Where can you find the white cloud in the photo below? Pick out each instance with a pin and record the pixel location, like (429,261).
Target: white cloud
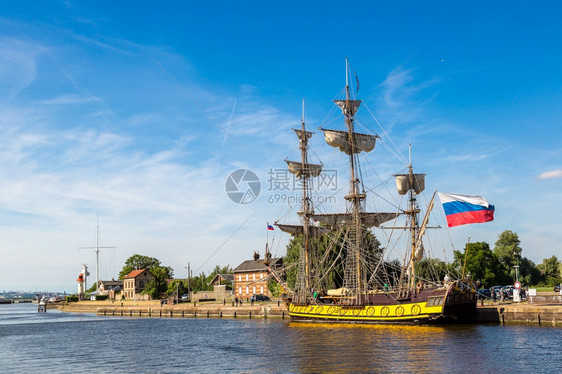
(161,198)
(551,174)
(70,99)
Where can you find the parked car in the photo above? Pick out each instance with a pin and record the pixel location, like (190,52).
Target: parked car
(261,297)
(184,297)
(484,293)
(557,288)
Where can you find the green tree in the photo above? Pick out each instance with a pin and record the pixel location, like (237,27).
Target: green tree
(292,258)
(154,288)
(529,273)
(178,286)
(201,282)
(508,251)
(152,264)
(274,287)
(434,269)
(550,269)
(482,264)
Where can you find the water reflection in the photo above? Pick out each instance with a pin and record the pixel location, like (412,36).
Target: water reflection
(368,348)
(266,346)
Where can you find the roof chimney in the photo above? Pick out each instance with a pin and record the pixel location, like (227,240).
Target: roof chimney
(256,256)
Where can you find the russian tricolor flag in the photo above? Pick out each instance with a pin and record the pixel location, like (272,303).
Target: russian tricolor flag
(464,209)
(269,227)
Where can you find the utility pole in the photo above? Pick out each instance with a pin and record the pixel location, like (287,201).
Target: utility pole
(516,266)
(188,280)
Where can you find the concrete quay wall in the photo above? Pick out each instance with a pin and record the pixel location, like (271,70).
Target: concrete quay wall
(154,310)
(501,313)
(528,314)
(199,311)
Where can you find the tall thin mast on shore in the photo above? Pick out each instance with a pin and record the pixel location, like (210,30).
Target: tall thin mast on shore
(97,250)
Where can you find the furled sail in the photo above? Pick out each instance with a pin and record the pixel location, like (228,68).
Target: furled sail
(346,219)
(348,107)
(306,170)
(300,133)
(403,184)
(340,139)
(295,230)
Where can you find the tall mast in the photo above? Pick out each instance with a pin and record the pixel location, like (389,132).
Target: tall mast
(413,212)
(305,202)
(355,197)
(303,171)
(413,184)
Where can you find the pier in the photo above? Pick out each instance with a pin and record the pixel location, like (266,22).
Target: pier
(153,309)
(510,314)
(543,309)
(506,313)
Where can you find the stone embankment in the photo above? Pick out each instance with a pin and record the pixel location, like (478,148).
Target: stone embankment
(508,314)
(184,310)
(543,310)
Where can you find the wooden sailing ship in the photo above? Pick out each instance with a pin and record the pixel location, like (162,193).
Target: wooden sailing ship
(368,293)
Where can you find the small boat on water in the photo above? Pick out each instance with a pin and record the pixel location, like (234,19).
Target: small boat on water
(342,274)
(3,300)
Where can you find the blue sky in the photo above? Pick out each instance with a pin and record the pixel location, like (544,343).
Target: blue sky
(139,112)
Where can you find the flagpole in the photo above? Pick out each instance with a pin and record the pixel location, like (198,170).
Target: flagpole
(465,256)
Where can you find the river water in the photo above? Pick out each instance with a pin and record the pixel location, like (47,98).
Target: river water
(56,342)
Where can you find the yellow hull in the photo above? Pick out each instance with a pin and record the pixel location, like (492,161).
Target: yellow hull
(406,312)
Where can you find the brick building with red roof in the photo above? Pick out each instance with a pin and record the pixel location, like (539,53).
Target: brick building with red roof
(135,282)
